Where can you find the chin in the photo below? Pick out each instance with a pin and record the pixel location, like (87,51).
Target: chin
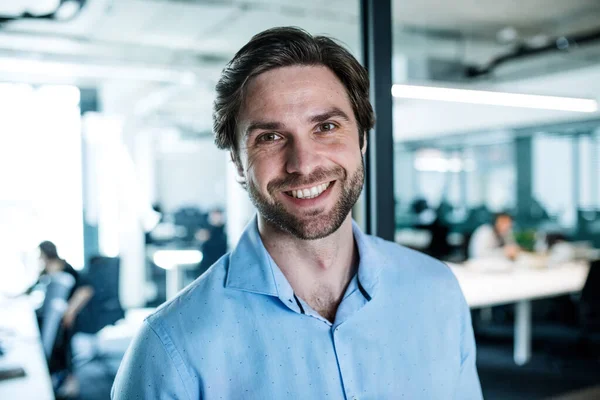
(312,227)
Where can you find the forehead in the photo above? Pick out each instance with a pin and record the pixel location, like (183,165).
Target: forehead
(293,91)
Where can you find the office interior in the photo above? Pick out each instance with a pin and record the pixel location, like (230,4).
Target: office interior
(106,150)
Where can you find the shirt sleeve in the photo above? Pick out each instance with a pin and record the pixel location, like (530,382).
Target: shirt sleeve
(468,387)
(149,371)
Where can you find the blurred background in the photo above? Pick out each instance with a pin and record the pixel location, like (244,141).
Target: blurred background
(106,151)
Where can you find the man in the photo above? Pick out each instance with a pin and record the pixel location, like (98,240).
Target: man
(494,241)
(306,306)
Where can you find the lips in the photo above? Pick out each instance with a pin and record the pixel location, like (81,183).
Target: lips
(310,192)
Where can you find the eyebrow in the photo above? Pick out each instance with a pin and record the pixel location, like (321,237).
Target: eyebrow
(333,112)
(315,119)
(267,126)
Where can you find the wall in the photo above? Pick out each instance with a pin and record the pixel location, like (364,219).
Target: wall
(190,173)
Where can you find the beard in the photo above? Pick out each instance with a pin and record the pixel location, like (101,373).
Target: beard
(315,223)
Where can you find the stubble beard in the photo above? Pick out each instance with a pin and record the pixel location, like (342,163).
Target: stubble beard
(316,223)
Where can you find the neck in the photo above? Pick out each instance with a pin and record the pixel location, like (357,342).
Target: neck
(318,270)
(54,265)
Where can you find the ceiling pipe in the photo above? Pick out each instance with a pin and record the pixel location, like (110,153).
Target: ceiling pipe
(74,7)
(561,43)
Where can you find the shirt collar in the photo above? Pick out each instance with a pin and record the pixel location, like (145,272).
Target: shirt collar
(252,269)
(371,261)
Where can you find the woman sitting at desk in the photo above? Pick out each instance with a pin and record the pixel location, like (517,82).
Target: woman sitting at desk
(494,241)
(78,298)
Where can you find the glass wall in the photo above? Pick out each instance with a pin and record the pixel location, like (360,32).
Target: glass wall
(469,144)
(495,109)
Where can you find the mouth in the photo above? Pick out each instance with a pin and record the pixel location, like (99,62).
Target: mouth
(309,192)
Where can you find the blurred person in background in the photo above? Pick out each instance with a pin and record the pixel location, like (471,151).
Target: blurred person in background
(81,292)
(80,295)
(433,222)
(495,241)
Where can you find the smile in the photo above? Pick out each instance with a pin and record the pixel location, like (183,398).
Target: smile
(309,193)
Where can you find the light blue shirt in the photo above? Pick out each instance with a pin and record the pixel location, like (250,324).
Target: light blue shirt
(402,331)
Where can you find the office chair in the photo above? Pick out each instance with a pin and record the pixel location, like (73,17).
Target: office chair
(192,219)
(104,308)
(54,306)
(590,302)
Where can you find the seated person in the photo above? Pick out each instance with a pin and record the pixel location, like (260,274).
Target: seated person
(495,240)
(78,298)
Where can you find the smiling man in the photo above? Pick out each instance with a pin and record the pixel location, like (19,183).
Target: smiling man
(306,306)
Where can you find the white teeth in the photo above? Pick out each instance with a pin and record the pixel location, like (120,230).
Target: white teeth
(310,193)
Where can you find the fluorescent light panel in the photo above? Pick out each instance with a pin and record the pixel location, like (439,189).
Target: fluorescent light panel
(494,98)
(73,70)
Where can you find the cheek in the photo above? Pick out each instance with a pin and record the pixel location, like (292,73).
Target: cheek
(346,155)
(262,168)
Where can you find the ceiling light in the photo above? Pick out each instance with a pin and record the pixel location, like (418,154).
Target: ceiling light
(494,98)
(65,70)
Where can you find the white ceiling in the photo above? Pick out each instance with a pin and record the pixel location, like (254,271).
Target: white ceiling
(162,57)
(488,16)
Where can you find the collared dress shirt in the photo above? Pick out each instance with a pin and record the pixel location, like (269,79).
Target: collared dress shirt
(402,331)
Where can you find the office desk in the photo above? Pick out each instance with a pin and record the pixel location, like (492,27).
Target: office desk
(519,286)
(174,261)
(23,347)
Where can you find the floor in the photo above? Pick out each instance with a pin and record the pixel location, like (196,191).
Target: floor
(560,364)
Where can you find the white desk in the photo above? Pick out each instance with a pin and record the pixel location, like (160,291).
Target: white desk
(519,286)
(23,347)
(174,261)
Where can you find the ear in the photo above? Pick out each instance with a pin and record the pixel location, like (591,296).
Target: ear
(235,160)
(238,166)
(363,150)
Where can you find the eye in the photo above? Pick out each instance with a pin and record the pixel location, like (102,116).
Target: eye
(268,137)
(327,126)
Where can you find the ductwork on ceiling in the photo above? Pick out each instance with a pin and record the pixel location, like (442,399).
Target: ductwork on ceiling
(436,63)
(521,51)
(60,10)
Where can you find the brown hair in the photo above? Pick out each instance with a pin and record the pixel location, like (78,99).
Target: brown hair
(284,47)
(49,250)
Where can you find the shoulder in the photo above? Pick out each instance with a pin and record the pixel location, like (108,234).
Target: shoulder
(196,302)
(68,268)
(484,230)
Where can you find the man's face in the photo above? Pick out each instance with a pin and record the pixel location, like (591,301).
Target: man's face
(299,150)
(504,225)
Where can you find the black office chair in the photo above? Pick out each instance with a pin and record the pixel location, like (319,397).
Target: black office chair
(104,308)
(55,303)
(590,302)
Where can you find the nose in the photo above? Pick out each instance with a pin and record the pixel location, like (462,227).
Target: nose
(302,156)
